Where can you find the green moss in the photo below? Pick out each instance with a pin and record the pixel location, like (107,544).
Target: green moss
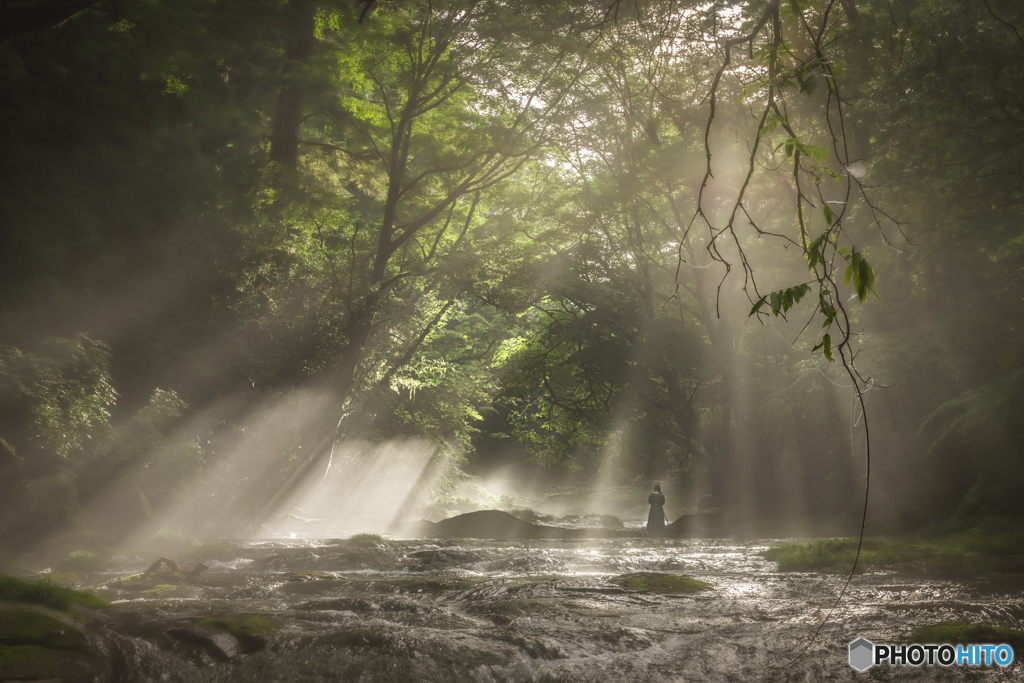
(248,624)
(659,583)
(89,600)
(966,634)
(27,662)
(365,541)
(44,592)
(26,626)
(160,590)
(837,555)
(938,550)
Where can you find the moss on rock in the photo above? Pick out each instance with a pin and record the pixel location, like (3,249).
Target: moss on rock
(837,555)
(27,662)
(365,541)
(27,626)
(659,583)
(47,593)
(248,624)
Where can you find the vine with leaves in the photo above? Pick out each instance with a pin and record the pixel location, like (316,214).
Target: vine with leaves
(831,255)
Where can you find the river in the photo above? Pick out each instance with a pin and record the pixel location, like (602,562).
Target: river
(503,611)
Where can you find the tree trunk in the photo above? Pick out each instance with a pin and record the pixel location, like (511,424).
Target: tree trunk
(291,102)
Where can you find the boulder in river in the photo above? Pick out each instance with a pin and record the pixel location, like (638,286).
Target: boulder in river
(226,636)
(698,525)
(39,643)
(495,524)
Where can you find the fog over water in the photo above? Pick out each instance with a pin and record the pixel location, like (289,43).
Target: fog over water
(348,340)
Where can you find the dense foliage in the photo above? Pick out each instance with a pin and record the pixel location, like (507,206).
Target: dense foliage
(637,242)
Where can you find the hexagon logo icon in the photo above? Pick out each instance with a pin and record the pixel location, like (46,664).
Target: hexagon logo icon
(862,654)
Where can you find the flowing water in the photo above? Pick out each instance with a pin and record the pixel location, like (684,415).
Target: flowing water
(495,611)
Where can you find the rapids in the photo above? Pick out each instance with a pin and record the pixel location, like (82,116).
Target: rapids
(496,611)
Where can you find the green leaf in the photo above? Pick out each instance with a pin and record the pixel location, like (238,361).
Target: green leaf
(826,308)
(799,291)
(758,305)
(815,251)
(865,278)
(826,345)
(827,210)
(847,275)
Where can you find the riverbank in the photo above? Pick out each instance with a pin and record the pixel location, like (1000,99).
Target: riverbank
(991,546)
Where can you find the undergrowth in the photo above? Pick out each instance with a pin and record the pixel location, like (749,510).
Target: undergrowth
(44,592)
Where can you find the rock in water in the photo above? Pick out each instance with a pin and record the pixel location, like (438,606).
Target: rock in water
(498,525)
(699,525)
(490,524)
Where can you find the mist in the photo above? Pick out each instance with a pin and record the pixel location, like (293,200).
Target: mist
(324,291)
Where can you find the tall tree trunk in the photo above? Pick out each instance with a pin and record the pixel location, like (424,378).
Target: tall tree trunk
(291,102)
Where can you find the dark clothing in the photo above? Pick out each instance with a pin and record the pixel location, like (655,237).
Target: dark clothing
(656,517)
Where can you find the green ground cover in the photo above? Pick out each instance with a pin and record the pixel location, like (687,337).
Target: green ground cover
(365,541)
(980,549)
(659,583)
(46,593)
(958,633)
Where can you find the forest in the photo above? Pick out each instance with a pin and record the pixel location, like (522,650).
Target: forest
(270,262)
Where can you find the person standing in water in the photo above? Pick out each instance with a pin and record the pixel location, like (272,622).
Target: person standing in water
(656,517)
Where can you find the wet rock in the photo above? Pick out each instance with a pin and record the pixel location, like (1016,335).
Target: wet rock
(37,643)
(341,558)
(495,524)
(540,648)
(699,525)
(222,647)
(226,636)
(453,649)
(442,558)
(32,625)
(627,638)
(34,663)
